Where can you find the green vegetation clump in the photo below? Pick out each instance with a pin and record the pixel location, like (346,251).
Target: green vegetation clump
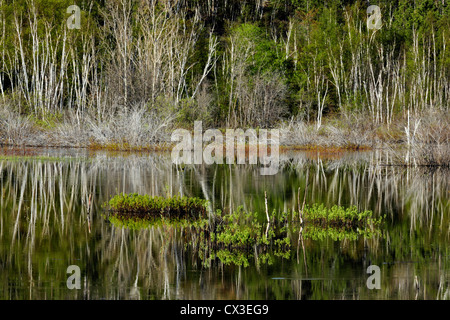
(337,234)
(240,229)
(135,206)
(236,237)
(339,217)
(231,238)
(141,222)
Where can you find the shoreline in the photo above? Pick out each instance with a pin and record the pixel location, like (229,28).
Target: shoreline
(312,152)
(427,144)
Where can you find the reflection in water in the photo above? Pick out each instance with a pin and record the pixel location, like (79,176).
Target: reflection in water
(45,226)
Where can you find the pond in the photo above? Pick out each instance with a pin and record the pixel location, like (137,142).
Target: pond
(52,217)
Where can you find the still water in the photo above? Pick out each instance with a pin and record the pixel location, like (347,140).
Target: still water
(45,227)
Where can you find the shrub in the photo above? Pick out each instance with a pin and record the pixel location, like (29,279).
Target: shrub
(339,216)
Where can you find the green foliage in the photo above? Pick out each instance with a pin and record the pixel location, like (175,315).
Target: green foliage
(295,41)
(264,57)
(237,258)
(337,234)
(339,216)
(138,223)
(235,237)
(47,120)
(240,229)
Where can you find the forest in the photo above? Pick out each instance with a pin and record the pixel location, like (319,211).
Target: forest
(136,69)
(97,202)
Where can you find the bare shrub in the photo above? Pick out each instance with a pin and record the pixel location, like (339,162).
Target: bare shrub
(350,131)
(353,133)
(426,140)
(152,51)
(14,128)
(134,126)
(298,133)
(204,103)
(429,141)
(262,101)
(71,132)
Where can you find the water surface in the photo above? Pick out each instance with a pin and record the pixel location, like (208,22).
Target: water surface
(45,227)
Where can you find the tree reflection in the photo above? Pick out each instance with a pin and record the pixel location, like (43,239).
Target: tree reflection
(45,226)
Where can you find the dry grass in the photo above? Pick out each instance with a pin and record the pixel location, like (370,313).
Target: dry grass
(420,140)
(334,134)
(133,129)
(423,140)
(14,128)
(426,141)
